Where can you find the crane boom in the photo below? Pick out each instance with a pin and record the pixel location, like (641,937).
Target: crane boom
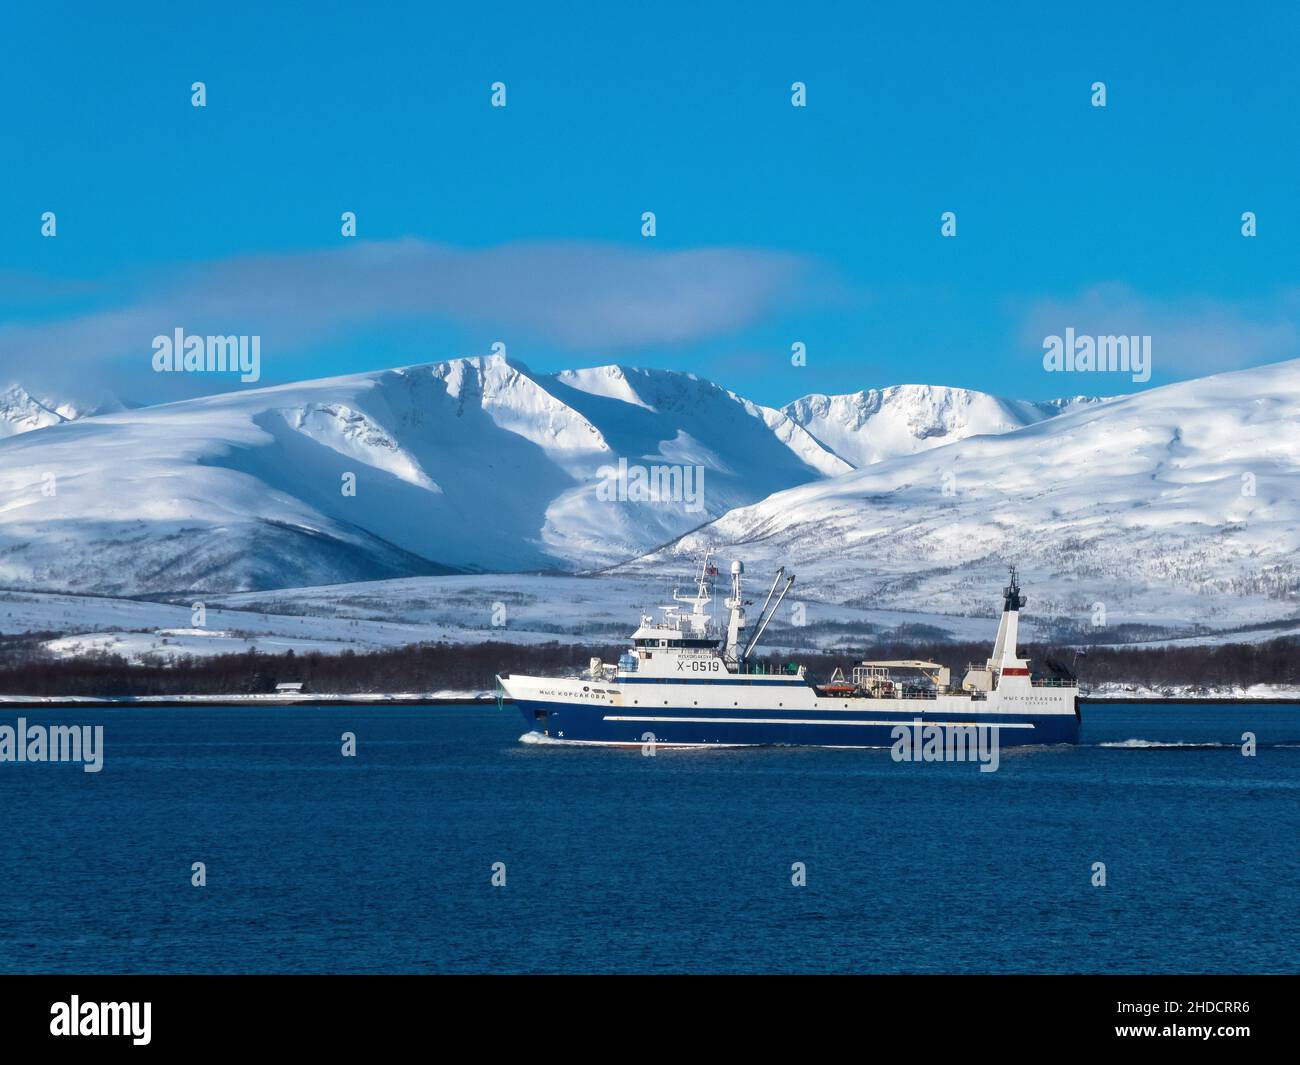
(772,613)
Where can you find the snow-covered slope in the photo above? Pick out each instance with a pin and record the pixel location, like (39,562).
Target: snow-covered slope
(877,424)
(1175,504)
(468,464)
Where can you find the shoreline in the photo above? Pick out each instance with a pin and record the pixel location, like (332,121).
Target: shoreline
(39,702)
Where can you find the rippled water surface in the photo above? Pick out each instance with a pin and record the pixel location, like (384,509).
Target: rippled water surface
(619,862)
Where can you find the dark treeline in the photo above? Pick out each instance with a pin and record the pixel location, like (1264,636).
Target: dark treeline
(416,668)
(27,670)
(1273,662)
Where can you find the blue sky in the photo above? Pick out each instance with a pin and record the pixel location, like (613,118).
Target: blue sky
(775,224)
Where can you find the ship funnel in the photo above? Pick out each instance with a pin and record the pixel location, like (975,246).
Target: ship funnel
(1006,658)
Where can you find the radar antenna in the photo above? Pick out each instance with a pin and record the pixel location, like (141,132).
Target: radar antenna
(1013,600)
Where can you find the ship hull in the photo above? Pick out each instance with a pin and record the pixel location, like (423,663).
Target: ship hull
(860,725)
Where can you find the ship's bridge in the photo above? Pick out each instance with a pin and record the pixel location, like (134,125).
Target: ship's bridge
(654,637)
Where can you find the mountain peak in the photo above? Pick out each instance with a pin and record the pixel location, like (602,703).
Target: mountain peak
(871,425)
(22,412)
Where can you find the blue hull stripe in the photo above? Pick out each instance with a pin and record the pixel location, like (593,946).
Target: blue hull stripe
(827,722)
(857,727)
(767,680)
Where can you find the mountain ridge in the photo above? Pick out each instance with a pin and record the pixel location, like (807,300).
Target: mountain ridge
(464,464)
(872,425)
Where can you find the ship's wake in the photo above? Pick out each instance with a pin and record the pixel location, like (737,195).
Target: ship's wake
(554,741)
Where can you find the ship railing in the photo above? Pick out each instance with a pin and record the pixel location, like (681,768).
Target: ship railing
(1055,682)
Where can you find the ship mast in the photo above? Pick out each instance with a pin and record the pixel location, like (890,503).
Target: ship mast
(735,604)
(699,619)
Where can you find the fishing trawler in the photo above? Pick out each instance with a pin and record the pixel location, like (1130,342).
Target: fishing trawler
(686,681)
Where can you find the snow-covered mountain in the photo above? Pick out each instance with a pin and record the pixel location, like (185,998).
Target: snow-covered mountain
(1177,507)
(469,464)
(21,411)
(877,424)
(1174,505)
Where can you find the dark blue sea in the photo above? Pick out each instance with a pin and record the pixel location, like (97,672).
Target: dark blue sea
(617,862)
